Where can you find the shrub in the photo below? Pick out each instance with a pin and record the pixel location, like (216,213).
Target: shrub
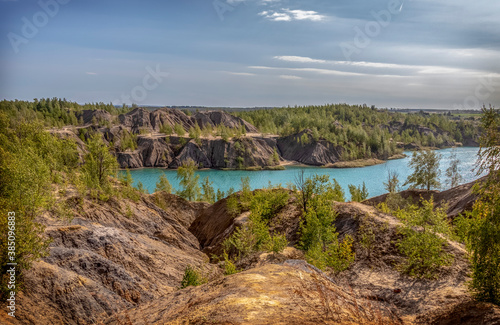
(192,277)
(229,267)
(359,193)
(421,244)
(163,185)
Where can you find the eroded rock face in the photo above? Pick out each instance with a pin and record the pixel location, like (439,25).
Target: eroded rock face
(112,256)
(214,118)
(170,117)
(136,120)
(90,116)
(271,294)
(303,148)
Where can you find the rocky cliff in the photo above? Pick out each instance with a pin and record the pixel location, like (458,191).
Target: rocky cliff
(302,147)
(122,262)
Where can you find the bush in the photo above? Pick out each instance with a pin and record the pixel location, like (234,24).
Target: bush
(359,193)
(267,203)
(421,244)
(163,185)
(318,235)
(229,267)
(192,277)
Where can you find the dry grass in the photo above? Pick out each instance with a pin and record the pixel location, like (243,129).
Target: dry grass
(333,305)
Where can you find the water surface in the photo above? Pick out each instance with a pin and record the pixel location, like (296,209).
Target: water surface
(373,176)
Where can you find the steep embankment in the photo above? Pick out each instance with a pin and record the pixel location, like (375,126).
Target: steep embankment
(111,256)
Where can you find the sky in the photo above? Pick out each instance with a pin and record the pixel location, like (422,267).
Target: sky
(418,54)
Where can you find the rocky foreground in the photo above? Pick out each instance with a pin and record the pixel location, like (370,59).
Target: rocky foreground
(122,262)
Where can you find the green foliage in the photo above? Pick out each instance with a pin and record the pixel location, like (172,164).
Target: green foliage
(359,193)
(127,190)
(233,206)
(358,130)
(338,255)
(188,181)
(452,172)
(305,188)
(421,244)
(128,141)
(318,235)
(192,277)
(425,166)
(229,267)
(98,165)
(267,203)
(141,189)
(483,235)
(30,158)
(167,129)
(163,185)
(254,236)
(179,130)
(208,191)
(392,185)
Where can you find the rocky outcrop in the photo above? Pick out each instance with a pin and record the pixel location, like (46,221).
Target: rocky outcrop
(303,148)
(136,120)
(291,293)
(170,117)
(163,151)
(111,256)
(457,200)
(214,118)
(94,116)
(150,152)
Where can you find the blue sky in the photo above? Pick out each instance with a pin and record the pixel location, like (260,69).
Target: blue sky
(388,53)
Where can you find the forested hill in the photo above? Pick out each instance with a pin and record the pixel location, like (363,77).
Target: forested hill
(312,135)
(365,127)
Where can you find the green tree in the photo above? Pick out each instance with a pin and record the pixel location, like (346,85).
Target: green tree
(208,191)
(30,157)
(483,235)
(189,181)
(163,185)
(179,130)
(423,246)
(425,166)
(452,172)
(392,185)
(98,165)
(359,193)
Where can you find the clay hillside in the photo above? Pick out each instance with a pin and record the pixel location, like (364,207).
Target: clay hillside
(168,137)
(124,261)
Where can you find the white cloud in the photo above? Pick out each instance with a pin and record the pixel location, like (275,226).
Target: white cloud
(289,15)
(91,73)
(240,73)
(301,59)
(290,77)
(418,69)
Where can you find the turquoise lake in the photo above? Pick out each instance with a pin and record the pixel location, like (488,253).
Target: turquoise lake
(373,176)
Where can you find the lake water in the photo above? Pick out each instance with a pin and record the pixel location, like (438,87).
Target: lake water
(373,176)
